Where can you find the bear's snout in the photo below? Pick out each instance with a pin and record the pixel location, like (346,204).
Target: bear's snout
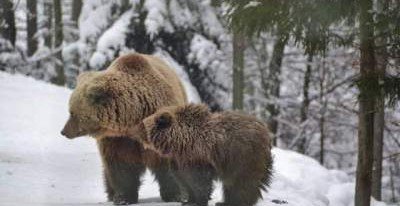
(72,129)
(66,134)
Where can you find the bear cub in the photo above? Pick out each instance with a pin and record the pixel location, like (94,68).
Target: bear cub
(231,146)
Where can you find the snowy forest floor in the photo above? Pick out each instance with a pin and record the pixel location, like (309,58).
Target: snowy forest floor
(40,167)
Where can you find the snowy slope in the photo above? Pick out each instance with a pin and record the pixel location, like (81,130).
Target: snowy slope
(40,167)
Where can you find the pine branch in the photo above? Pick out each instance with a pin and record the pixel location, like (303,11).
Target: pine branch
(392,156)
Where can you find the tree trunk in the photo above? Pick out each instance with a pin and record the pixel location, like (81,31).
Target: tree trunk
(306,102)
(76,11)
(271,83)
(392,187)
(31,16)
(379,119)
(379,124)
(48,22)
(323,102)
(322,133)
(8,30)
(367,105)
(59,79)
(238,66)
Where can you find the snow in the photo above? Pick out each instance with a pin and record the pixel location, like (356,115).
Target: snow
(93,20)
(192,94)
(209,18)
(206,54)
(97,60)
(114,37)
(203,51)
(40,167)
(181,15)
(111,40)
(252,4)
(156,17)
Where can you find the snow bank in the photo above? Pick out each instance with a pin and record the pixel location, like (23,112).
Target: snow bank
(40,167)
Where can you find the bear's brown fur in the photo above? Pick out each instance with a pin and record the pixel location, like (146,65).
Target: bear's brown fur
(106,103)
(233,146)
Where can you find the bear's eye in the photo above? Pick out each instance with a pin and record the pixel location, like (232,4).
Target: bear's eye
(100,96)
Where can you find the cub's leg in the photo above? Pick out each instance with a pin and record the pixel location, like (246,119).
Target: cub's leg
(241,193)
(123,167)
(198,182)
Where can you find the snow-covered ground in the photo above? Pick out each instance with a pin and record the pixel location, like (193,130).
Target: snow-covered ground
(40,167)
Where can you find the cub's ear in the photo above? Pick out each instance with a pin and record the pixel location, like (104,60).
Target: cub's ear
(99,95)
(163,121)
(196,111)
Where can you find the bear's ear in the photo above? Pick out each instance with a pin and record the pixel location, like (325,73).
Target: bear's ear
(99,95)
(85,76)
(163,121)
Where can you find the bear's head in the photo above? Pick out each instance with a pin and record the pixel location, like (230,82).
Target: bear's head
(97,106)
(172,131)
(85,102)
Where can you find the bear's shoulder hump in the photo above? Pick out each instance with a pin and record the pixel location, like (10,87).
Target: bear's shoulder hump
(131,63)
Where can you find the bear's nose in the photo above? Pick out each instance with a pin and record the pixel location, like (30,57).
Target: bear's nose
(63,133)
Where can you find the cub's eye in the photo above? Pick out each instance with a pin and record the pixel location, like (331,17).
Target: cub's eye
(163,121)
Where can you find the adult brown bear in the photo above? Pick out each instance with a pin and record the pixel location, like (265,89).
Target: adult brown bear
(106,103)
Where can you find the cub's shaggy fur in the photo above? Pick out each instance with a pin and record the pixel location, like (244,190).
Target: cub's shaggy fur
(106,103)
(231,146)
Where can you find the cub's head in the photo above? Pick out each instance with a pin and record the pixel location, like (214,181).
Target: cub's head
(173,130)
(92,106)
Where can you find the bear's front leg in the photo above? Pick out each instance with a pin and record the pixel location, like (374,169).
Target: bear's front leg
(109,190)
(170,190)
(123,167)
(125,182)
